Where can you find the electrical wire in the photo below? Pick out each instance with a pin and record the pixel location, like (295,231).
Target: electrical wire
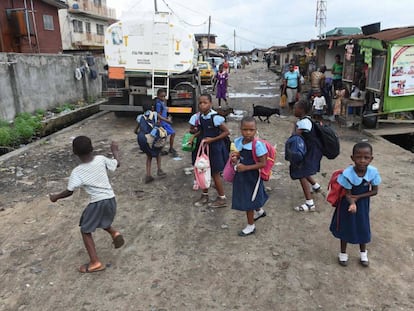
(182,20)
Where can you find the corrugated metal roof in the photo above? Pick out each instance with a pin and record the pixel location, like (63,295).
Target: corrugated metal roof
(384,35)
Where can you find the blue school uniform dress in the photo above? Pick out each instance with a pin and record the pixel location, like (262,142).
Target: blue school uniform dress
(162,109)
(311,163)
(145,128)
(210,127)
(244,183)
(354,228)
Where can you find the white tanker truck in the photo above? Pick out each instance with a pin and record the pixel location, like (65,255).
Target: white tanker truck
(148,52)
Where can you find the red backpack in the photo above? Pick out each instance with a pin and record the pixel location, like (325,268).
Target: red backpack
(266,171)
(335,191)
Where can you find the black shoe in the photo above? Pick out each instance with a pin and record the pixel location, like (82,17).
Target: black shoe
(173,152)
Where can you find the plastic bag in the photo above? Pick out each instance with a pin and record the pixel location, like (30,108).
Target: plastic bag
(185,145)
(229,172)
(283,101)
(202,170)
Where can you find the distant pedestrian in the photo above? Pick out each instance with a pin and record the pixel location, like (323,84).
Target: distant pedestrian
(226,66)
(291,84)
(249,193)
(92,176)
(350,221)
(221,80)
(211,129)
(268,61)
(162,111)
(312,160)
(145,124)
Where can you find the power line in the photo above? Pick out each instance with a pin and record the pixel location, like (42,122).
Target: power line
(182,20)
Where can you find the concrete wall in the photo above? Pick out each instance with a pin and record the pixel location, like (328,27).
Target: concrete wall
(44,81)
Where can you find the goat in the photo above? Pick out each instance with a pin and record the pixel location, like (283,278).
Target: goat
(262,111)
(224,112)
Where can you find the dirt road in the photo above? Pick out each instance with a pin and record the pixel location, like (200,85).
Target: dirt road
(179,257)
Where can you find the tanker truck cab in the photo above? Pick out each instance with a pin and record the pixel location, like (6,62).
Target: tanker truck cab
(154,51)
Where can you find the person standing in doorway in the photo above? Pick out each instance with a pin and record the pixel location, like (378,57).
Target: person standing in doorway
(337,69)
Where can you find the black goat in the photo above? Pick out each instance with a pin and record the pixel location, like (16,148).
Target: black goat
(262,111)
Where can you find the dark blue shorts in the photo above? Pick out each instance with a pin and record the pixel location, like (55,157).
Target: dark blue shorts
(99,214)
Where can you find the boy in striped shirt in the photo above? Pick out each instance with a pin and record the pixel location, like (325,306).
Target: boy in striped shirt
(92,176)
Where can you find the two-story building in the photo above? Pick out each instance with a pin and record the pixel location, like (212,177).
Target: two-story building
(83,24)
(30,26)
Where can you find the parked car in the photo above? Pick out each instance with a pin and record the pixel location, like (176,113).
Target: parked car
(255,58)
(206,72)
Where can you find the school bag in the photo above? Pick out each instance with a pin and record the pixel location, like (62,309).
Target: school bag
(335,191)
(295,149)
(328,139)
(157,137)
(202,170)
(266,171)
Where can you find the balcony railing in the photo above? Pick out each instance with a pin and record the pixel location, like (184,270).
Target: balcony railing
(87,39)
(89,6)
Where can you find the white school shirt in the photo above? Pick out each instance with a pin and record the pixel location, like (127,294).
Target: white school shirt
(319,103)
(93,177)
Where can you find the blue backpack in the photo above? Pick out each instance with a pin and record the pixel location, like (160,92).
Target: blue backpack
(295,149)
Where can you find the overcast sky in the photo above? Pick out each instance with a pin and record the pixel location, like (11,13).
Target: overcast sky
(263,23)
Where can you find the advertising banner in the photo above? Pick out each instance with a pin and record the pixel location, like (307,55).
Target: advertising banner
(401,81)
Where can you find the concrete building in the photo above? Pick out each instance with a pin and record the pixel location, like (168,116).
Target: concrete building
(83,24)
(203,41)
(30,26)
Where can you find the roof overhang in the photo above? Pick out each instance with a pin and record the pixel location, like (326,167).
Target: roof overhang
(56,3)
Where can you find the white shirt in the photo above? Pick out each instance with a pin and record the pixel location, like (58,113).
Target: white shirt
(93,178)
(319,103)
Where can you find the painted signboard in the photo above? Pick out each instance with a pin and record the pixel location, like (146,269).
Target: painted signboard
(401,81)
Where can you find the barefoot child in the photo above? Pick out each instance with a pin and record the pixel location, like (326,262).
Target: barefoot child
(92,176)
(312,160)
(211,129)
(350,221)
(248,190)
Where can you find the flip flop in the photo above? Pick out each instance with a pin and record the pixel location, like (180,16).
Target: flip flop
(118,241)
(85,268)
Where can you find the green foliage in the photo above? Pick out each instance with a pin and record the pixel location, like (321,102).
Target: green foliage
(6,136)
(64,107)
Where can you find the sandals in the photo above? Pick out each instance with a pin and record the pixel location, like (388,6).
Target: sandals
(118,241)
(85,268)
(305,208)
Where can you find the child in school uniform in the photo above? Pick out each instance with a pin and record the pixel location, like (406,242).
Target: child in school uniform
(162,111)
(145,124)
(211,129)
(312,159)
(92,176)
(350,221)
(249,193)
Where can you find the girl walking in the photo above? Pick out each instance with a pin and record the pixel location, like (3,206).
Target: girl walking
(221,84)
(209,127)
(312,161)
(249,194)
(350,221)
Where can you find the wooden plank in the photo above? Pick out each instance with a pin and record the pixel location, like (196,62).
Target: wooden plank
(396,121)
(395,130)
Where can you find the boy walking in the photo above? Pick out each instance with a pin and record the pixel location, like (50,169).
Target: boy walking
(92,176)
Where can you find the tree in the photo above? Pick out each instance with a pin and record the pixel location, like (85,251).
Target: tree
(224,46)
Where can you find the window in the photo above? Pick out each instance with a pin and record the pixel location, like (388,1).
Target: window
(97,2)
(100,29)
(77,26)
(48,22)
(88,27)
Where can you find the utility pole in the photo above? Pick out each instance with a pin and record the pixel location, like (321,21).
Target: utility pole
(208,36)
(155,6)
(234,41)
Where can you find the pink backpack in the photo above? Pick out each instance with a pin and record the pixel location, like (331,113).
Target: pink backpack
(266,171)
(202,170)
